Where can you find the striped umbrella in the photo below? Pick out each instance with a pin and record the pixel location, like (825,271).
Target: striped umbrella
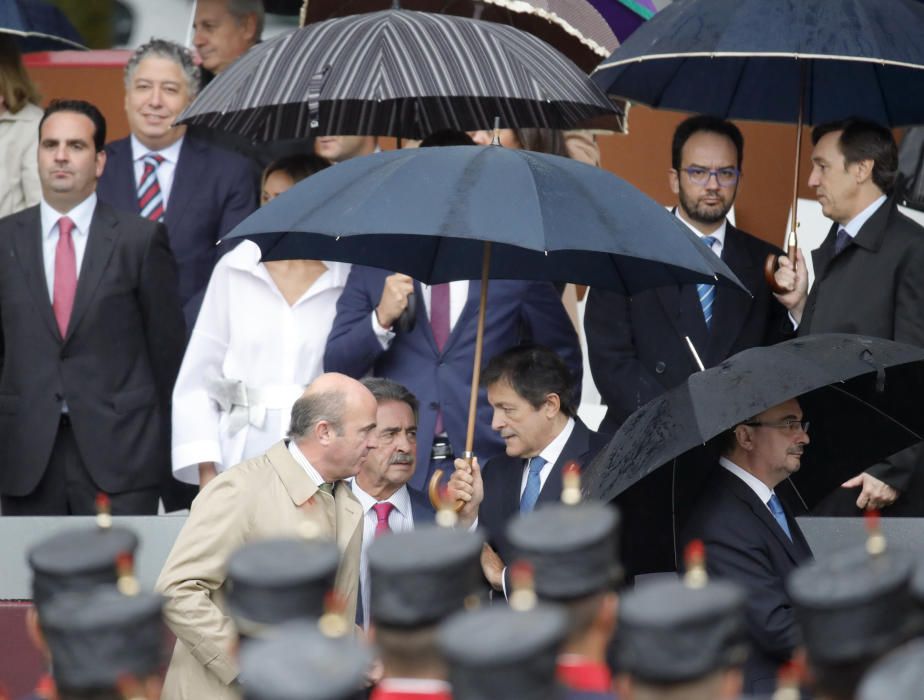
(399,73)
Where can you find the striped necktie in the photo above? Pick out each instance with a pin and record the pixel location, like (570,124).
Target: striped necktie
(150,198)
(706,292)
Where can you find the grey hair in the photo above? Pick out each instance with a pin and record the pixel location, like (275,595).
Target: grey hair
(308,411)
(239,9)
(171,51)
(387,390)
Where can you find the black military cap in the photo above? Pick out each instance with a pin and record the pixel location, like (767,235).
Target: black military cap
(280,580)
(573,549)
(898,676)
(300,663)
(77,560)
(853,605)
(671,632)
(503,653)
(420,577)
(97,636)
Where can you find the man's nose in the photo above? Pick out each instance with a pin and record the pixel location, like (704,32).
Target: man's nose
(813,180)
(496,421)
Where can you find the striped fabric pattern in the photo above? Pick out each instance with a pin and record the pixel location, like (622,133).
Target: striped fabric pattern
(150,198)
(399,73)
(706,292)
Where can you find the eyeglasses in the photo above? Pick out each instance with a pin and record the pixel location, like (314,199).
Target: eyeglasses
(790,426)
(726,177)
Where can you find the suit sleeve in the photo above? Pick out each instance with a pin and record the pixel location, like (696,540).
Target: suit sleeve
(165,329)
(195,570)
(352,347)
(623,381)
(550,325)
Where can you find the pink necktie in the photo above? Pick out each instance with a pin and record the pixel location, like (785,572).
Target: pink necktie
(382,511)
(65,286)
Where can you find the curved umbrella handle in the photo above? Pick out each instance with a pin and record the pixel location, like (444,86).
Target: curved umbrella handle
(433,491)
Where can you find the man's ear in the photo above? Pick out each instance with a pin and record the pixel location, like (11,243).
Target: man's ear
(863,170)
(744,437)
(673,179)
(249,24)
(324,432)
(552,405)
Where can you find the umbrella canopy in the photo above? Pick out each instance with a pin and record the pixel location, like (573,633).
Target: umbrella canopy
(399,73)
(426,212)
(584,30)
(38,25)
(735,59)
(860,394)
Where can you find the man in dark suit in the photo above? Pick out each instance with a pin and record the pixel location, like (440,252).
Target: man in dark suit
(869,278)
(91,341)
(199,191)
(532,394)
(636,343)
(435,358)
(389,505)
(750,537)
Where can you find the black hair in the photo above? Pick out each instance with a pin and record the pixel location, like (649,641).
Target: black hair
(704,122)
(534,371)
(80,107)
(862,139)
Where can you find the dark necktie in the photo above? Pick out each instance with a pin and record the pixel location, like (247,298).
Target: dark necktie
(533,485)
(150,199)
(65,283)
(706,292)
(843,240)
(439,324)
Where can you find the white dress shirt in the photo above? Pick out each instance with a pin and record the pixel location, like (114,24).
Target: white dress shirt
(247,333)
(458,295)
(401,519)
(165,171)
(303,462)
(550,454)
(718,234)
(763,491)
(81,215)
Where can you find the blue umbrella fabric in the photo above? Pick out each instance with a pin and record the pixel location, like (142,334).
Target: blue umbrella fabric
(427,213)
(751,59)
(38,25)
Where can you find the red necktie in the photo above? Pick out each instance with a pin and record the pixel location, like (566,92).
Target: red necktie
(65,286)
(150,199)
(382,511)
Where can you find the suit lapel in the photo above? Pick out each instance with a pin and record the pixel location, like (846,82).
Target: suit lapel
(681,304)
(28,247)
(191,169)
(100,244)
(822,256)
(349,514)
(469,314)
(422,320)
(125,185)
(731,306)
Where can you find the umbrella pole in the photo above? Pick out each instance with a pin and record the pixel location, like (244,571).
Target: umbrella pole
(433,489)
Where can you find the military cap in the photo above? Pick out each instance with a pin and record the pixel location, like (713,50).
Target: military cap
(77,560)
(853,605)
(897,676)
(503,653)
(97,636)
(671,632)
(418,578)
(300,663)
(279,580)
(573,549)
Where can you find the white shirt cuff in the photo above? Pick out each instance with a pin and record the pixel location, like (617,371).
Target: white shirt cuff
(792,320)
(384,335)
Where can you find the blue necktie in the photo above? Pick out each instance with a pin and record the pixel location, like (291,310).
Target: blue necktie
(842,241)
(533,485)
(707,291)
(777,509)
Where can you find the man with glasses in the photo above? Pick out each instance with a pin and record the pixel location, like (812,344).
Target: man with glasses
(751,539)
(636,344)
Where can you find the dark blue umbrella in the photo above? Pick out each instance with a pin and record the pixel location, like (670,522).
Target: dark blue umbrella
(38,25)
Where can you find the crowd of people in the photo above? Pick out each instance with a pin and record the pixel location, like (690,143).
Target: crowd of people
(299,409)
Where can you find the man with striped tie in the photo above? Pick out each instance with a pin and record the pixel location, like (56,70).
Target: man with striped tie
(636,345)
(91,341)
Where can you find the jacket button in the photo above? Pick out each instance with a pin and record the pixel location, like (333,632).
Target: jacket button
(660,367)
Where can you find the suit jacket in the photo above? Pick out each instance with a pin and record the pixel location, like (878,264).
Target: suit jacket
(746,545)
(636,343)
(116,366)
(212,192)
(875,287)
(515,311)
(503,475)
(421,508)
(264,497)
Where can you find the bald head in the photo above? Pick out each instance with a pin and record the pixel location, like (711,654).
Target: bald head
(333,425)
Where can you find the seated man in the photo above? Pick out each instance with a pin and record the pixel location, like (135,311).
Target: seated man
(750,538)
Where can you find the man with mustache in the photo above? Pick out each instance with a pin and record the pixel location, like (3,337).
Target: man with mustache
(750,538)
(389,504)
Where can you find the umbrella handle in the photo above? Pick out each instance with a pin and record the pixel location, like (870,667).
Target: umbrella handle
(772,263)
(433,491)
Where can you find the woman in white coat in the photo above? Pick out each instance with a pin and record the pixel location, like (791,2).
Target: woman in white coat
(19,120)
(258,341)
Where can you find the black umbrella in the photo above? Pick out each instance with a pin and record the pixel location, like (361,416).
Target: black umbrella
(399,73)
(38,26)
(861,395)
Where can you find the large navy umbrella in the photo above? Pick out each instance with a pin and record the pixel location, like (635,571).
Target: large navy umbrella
(470,212)
(860,394)
(38,26)
(794,61)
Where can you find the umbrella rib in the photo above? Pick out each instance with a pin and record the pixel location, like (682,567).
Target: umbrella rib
(882,413)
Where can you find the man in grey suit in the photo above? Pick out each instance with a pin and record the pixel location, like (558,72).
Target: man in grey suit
(869,277)
(91,339)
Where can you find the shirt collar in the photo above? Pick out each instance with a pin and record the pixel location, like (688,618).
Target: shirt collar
(756,485)
(414,685)
(856,223)
(303,462)
(400,499)
(718,234)
(171,153)
(81,215)
(553,450)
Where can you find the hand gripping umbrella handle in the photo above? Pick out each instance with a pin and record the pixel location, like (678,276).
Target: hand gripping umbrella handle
(772,263)
(433,489)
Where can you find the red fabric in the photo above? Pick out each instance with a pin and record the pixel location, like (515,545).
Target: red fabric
(379,694)
(382,511)
(46,688)
(65,286)
(149,188)
(585,676)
